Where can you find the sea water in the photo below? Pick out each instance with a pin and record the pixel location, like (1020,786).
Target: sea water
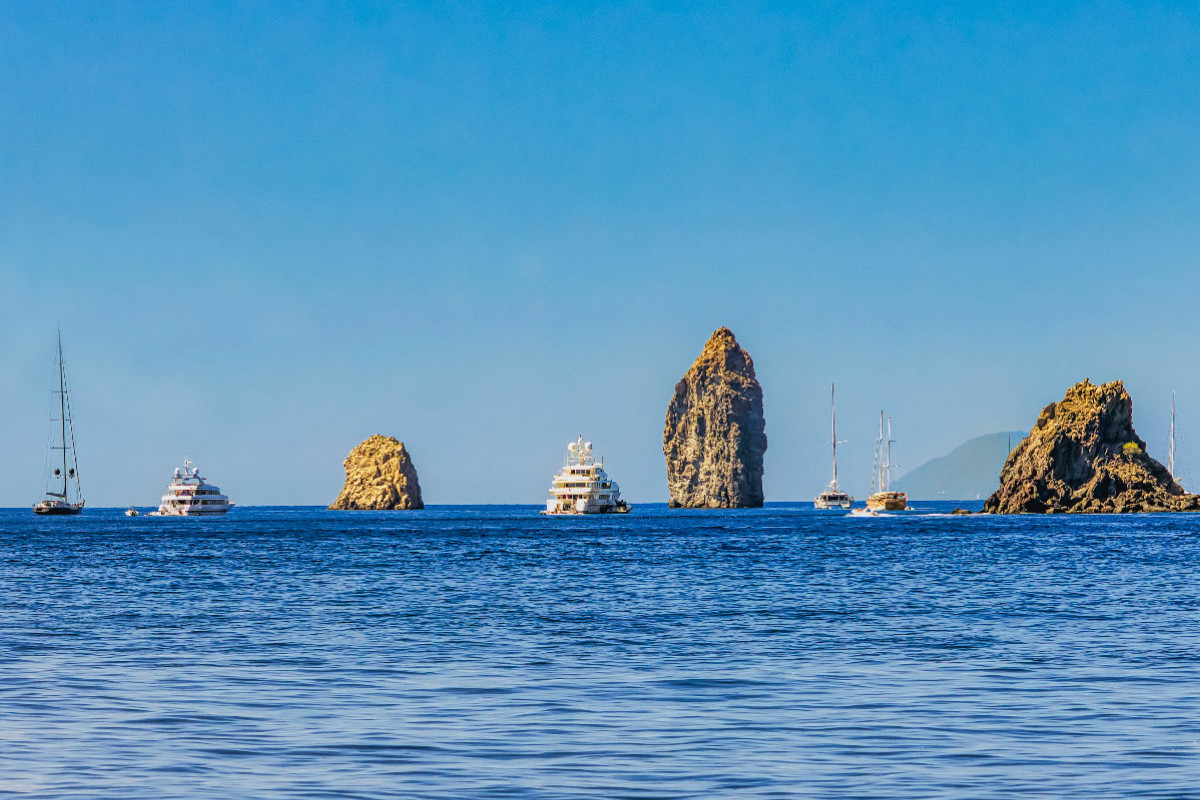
(488,652)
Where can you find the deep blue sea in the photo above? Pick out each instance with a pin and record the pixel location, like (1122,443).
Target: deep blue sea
(487,652)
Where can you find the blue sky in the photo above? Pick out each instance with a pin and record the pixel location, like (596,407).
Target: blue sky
(270,231)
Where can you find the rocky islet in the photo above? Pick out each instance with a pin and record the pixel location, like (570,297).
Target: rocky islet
(715,434)
(1083,456)
(380,476)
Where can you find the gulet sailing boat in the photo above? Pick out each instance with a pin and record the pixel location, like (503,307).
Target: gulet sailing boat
(882,497)
(833,496)
(66,474)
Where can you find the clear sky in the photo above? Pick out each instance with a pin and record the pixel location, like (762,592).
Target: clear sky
(270,230)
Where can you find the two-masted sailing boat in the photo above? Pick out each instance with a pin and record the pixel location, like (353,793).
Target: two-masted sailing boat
(833,496)
(63,461)
(882,497)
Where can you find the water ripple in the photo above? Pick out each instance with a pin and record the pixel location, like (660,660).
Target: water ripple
(490,653)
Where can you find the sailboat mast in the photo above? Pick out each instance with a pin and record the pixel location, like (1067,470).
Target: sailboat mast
(878,482)
(833,423)
(62,413)
(888,473)
(1171,449)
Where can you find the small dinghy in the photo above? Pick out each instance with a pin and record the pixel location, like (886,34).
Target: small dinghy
(131,512)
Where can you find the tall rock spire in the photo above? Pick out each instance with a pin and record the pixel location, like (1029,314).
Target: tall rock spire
(715,436)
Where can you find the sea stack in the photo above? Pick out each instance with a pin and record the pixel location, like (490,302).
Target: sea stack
(380,476)
(1083,456)
(715,434)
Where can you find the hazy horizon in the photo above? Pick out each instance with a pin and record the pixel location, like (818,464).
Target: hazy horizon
(269,233)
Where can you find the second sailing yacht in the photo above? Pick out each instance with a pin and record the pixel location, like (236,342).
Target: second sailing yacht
(882,497)
(833,496)
(66,475)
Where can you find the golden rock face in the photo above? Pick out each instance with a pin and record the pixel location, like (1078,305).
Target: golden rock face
(715,434)
(380,476)
(1083,456)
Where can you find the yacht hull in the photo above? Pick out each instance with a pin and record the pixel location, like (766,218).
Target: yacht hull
(192,512)
(887,501)
(69,510)
(827,504)
(624,509)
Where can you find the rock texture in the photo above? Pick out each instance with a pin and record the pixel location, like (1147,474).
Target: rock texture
(715,434)
(380,476)
(1083,456)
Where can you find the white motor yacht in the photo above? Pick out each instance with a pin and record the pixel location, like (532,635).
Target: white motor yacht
(189,495)
(582,486)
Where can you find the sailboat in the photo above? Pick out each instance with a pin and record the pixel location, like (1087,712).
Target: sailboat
(833,496)
(882,497)
(66,474)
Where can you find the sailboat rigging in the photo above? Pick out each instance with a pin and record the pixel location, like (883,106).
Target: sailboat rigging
(66,474)
(1171,447)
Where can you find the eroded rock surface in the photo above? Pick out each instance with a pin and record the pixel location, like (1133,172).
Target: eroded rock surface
(715,433)
(1083,456)
(380,476)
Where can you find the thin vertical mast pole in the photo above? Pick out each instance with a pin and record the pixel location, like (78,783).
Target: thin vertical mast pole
(1171,450)
(62,413)
(833,423)
(889,456)
(879,456)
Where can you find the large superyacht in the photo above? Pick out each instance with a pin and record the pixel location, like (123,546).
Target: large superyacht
(582,486)
(189,495)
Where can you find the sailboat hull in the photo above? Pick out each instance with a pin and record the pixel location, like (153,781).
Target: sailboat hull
(887,501)
(826,501)
(57,509)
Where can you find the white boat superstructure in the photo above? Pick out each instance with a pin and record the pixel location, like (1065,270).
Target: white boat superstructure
(189,495)
(582,486)
(833,496)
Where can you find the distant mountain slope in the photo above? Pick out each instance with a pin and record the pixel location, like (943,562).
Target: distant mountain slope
(970,471)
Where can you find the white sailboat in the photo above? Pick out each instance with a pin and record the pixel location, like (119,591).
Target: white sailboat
(58,501)
(833,496)
(882,497)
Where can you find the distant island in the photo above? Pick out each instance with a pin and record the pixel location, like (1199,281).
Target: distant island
(968,472)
